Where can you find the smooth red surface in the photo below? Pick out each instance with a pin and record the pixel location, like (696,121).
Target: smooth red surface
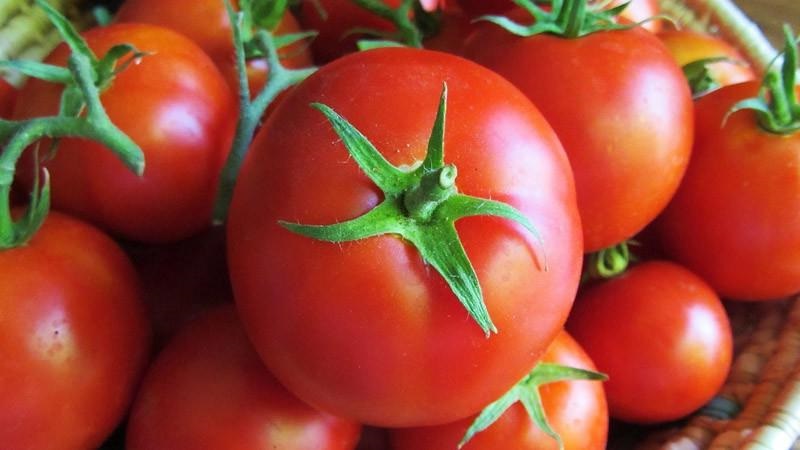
(366,329)
(735,220)
(8,97)
(73,335)
(175,104)
(661,335)
(620,106)
(575,409)
(209,390)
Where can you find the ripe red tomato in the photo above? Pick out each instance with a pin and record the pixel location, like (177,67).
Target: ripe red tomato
(366,329)
(661,335)
(688,46)
(8,97)
(734,220)
(576,410)
(207,24)
(622,109)
(173,103)
(209,390)
(73,336)
(333,23)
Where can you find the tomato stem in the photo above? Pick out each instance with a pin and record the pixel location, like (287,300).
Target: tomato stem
(526,391)
(608,262)
(420,206)
(16,136)
(251,111)
(776,105)
(401,16)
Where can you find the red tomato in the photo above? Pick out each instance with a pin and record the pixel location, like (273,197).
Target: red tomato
(209,390)
(366,329)
(207,24)
(334,24)
(734,220)
(73,336)
(619,104)
(576,410)
(689,46)
(454,27)
(477,8)
(661,335)
(8,97)
(173,103)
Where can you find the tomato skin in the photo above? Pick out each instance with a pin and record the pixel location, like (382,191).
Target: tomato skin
(688,46)
(8,97)
(207,24)
(576,410)
(622,109)
(661,335)
(341,16)
(73,335)
(404,351)
(734,220)
(174,104)
(209,390)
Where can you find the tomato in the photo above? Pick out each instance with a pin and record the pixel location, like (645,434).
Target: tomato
(477,8)
(339,18)
(366,329)
(688,46)
(622,109)
(8,96)
(734,220)
(454,27)
(206,23)
(73,335)
(576,410)
(209,390)
(661,335)
(173,103)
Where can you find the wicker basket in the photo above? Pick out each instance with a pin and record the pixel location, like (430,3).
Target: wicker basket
(759,405)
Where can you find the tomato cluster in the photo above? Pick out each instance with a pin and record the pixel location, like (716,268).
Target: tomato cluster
(423,249)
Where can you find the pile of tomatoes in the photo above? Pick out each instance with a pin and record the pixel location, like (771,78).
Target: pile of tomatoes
(415,234)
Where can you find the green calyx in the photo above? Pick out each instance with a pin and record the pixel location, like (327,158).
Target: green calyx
(265,45)
(699,76)
(566,18)
(776,105)
(526,391)
(80,115)
(420,206)
(607,263)
(264,15)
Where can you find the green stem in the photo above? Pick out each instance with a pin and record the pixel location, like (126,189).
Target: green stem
(422,200)
(409,33)
(251,111)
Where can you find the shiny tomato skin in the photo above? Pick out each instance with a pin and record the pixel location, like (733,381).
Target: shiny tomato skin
(366,329)
(206,23)
(734,221)
(622,109)
(73,335)
(687,46)
(576,410)
(208,389)
(662,336)
(175,104)
(340,17)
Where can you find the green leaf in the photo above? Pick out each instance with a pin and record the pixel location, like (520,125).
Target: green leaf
(490,414)
(383,219)
(532,401)
(71,36)
(440,246)
(546,373)
(42,71)
(434,158)
(371,44)
(390,180)
(268,13)
(285,40)
(460,206)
